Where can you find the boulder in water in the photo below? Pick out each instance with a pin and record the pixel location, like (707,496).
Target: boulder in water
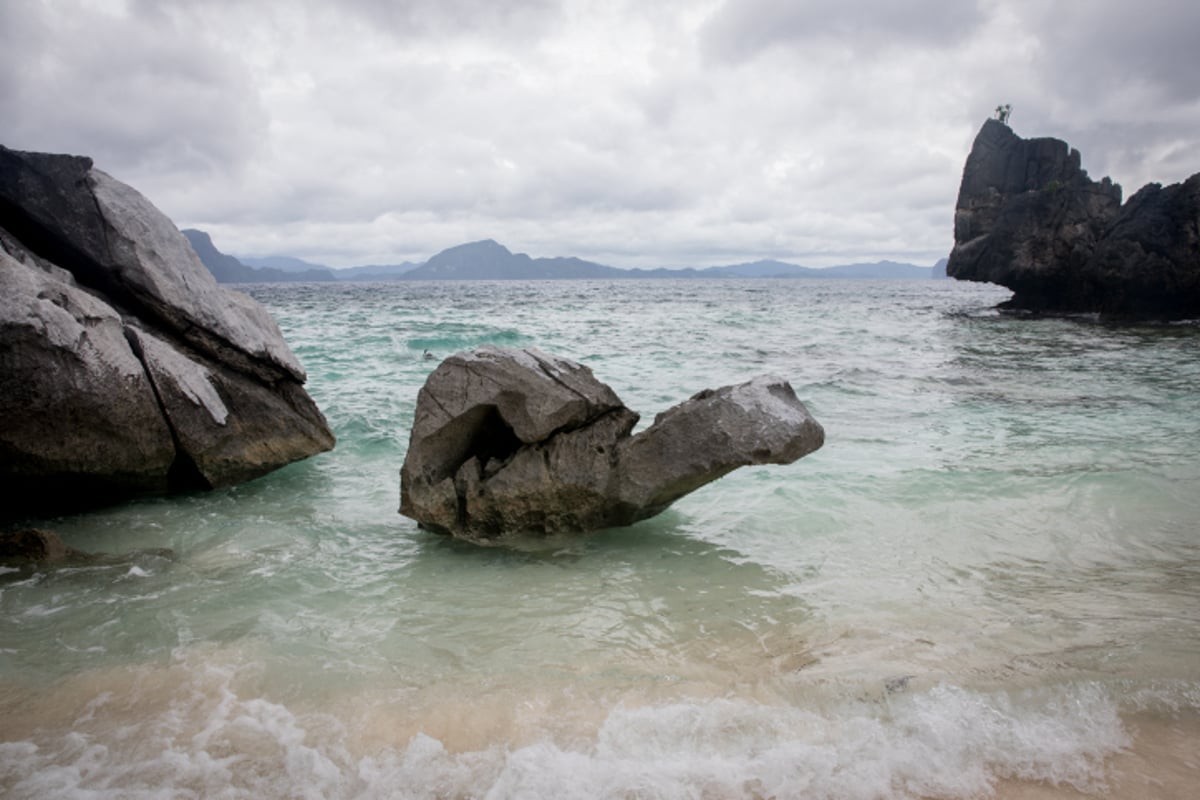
(1028,217)
(124,368)
(508,441)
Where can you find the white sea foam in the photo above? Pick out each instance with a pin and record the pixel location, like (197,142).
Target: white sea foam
(945,742)
(42,610)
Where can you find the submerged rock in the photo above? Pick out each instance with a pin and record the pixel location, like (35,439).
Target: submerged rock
(509,441)
(35,546)
(38,547)
(124,367)
(1028,217)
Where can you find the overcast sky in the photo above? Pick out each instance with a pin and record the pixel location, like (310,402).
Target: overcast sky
(640,133)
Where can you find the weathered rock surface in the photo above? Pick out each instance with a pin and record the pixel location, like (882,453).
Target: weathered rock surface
(509,441)
(1029,218)
(124,367)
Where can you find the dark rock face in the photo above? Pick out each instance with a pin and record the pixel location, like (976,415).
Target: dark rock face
(508,441)
(124,368)
(1029,218)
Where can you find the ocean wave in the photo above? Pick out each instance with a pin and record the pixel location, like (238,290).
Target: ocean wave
(208,740)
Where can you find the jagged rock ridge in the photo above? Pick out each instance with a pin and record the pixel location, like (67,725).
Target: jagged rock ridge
(1028,217)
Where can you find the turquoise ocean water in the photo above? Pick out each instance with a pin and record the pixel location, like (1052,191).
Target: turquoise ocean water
(987,583)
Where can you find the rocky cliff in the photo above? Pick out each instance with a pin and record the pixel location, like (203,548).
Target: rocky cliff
(1028,217)
(124,367)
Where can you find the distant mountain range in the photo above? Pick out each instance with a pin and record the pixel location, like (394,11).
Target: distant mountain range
(368,272)
(489,260)
(227,269)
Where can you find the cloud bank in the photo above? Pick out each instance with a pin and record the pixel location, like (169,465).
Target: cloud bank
(634,134)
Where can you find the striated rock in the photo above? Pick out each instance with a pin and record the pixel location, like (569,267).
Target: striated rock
(78,414)
(1029,218)
(1152,251)
(124,367)
(508,441)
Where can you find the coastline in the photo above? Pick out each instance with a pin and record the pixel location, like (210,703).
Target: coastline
(215,716)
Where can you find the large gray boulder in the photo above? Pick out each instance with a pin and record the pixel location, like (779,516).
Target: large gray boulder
(124,367)
(509,442)
(1028,217)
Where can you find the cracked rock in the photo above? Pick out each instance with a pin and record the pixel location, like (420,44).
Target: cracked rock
(514,442)
(124,368)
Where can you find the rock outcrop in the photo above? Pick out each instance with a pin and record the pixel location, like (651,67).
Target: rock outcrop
(1029,218)
(508,441)
(124,368)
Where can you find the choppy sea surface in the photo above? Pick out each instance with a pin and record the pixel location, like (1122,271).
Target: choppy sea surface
(987,583)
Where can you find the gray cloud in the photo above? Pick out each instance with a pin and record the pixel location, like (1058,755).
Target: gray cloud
(135,94)
(524,19)
(1116,80)
(631,133)
(742,28)
(1110,44)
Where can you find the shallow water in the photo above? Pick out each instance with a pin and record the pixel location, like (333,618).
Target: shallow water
(986,583)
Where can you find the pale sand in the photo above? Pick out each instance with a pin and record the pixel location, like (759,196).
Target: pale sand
(1162,763)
